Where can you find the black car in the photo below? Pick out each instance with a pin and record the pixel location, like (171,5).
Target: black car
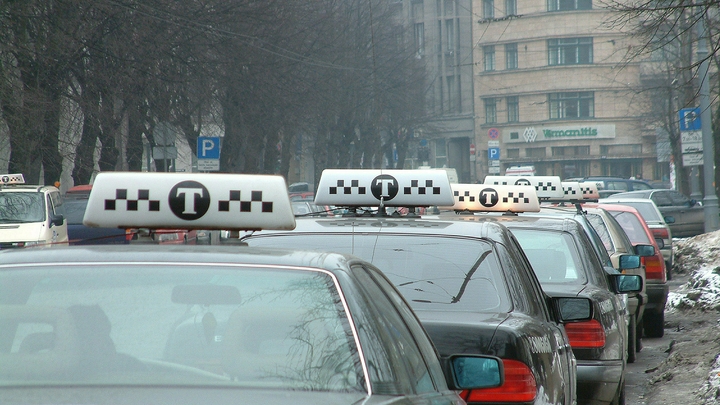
(168,324)
(686,216)
(80,234)
(608,186)
(465,277)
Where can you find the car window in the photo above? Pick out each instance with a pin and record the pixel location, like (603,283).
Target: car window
(184,325)
(616,185)
(597,222)
(678,199)
(406,353)
(435,272)
(552,255)
(647,210)
(632,226)
(20,207)
(75,210)
(57,203)
(661,199)
(638,185)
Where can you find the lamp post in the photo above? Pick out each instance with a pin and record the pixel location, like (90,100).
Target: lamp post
(710,201)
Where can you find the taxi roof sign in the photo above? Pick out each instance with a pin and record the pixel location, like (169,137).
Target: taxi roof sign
(576,191)
(495,198)
(7,179)
(391,188)
(189,201)
(546,187)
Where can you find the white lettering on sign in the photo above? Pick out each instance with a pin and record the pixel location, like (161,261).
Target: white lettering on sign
(190,194)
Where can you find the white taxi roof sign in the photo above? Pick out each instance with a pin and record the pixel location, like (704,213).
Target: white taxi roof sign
(546,187)
(189,201)
(395,188)
(7,179)
(495,198)
(589,190)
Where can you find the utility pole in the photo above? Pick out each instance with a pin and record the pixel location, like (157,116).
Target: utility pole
(710,201)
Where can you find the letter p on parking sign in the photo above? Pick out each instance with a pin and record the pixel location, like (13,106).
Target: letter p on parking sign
(208,147)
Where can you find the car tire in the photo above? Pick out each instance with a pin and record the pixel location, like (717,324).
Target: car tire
(632,340)
(654,324)
(668,271)
(639,333)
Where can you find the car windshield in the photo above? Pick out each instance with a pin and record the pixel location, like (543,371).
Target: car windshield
(176,325)
(20,207)
(75,210)
(432,272)
(552,254)
(632,225)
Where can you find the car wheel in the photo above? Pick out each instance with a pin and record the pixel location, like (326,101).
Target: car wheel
(639,333)
(632,340)
(654,324)
(668,271)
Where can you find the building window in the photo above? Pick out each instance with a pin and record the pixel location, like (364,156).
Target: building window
(440,153)
(570,51)
(621,150)
(420,39)
(567,106)
(488,9)
(511,56)
(571,150)
(535,152)
(513,153)
(565,5)
(453,86)
(513,109)
(489,57)
(490,111)
(514,135)
(510,7)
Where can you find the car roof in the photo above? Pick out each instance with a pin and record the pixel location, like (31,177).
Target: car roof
(152,253)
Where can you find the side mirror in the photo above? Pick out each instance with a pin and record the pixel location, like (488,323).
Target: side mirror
(626,283)
(470,372)
(631,261)
(573,309)
(660,243)
(645,250)
(57,220)
(669,219)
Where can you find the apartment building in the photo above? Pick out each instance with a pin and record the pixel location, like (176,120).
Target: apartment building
(553,89)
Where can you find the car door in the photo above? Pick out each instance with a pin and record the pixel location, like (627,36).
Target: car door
(689,216)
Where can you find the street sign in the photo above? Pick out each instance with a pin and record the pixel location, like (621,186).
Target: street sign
(493,144)
(494,163)
(164,152)
(493,153)
(494,169)
(691,141)
(690,119)
(208,147)
(493,133)
(692,159)
(208,165)
(472,148)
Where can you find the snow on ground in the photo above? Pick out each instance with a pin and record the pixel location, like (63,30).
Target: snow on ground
(699,257)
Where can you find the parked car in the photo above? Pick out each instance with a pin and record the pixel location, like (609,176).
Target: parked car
(655,273)
(79,234)
(611,185)
(654,219)
(465,276)
(686,215)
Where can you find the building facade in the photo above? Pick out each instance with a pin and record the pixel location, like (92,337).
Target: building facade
(554,90)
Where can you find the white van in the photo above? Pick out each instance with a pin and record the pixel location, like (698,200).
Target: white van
(30,215)
(520,171)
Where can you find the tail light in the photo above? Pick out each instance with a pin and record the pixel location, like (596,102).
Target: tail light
(519,386)
(654,268)
(661,233)
(585,335)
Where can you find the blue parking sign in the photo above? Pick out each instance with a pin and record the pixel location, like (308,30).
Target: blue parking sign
(494,153)
(690,119)
(208,147)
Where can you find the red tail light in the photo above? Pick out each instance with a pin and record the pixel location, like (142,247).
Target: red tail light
(519,386)
(585,335)
(661,233)
(654,268)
